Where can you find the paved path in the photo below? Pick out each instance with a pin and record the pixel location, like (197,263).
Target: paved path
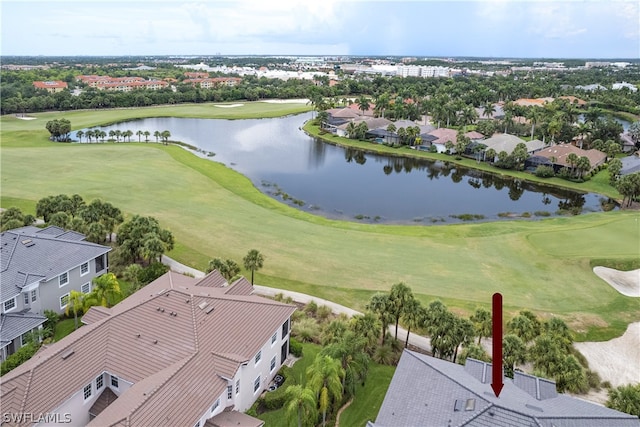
(416,340)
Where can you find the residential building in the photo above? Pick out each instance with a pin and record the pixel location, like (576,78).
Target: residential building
(207,83)
(624,85)
(178,352)
(39,269)
(507,143)
(196,75)
(556,156)
(51,86)
(121,84)
(426,391)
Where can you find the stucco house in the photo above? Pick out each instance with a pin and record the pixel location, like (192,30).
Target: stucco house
(179,352)
(556,157)
(426,391)
(39,269)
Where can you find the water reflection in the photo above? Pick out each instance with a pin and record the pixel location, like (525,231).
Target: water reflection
(332,181)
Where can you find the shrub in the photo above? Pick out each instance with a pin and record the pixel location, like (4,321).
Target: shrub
(152,272)
(593,379)
(542,213)
(275,399)
(544,171)
(311,308)
(323,313)
(23,354)
(295,348)
(306,330)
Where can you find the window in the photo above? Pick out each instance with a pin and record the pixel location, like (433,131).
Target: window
(86,288)
(84,268)
(87,391)
(258,357)
(274,337)
(230,392)
(256,384)
(215,405)
(34,295)
(26,298)
(285,328)
(63,279)
(64,300)
(114,381)
(273,364)
(237,386)
(100,263)
(23,338)
(10,304)
(99,382)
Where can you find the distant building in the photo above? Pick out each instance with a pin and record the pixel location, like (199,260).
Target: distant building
(207,83)
(51,86)
(121,84)
(624,85)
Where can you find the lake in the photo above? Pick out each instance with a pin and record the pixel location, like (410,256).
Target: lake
(309,174)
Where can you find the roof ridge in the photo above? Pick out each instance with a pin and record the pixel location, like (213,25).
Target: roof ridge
(27,390)
(7,261)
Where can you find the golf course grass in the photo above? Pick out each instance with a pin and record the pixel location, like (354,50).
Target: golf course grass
(213,211)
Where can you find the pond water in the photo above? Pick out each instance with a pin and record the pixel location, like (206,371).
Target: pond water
(309,174)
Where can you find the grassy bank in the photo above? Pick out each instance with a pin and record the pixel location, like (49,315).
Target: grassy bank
(215,212)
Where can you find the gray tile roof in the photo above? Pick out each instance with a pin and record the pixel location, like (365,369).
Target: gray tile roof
(30,254)
(12,325)
(424,391)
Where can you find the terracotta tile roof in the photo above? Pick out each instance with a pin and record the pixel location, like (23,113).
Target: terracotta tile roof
(444,135)
(233,419)
(171,335)
(51,84)
(96,314)
(561,151)
(240,287)
(213,280)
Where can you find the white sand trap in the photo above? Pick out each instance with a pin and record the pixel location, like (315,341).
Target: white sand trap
(625,282)
(286,101)
(25,118)
(616,360)
(228,105)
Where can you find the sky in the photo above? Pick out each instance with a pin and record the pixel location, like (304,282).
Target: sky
(481,28)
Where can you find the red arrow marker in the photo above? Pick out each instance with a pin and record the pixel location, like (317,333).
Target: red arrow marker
(496,377)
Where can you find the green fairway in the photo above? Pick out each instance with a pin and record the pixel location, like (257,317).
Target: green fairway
(215,212)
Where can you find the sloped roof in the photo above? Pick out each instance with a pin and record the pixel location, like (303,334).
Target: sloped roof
(343,113)
(561,151)
(374,122)
(171,335)
(233,419)
(502,142)
(13,325)
(630,164)
(444,393)
(31,254)
(444,135)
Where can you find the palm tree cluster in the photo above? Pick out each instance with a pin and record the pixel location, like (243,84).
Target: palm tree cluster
(229,269)
(116,134)
(105,292)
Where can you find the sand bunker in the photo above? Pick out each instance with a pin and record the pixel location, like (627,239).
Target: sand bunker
(616,360)
(286,101)
(228,105)
(25,118)
(625,282)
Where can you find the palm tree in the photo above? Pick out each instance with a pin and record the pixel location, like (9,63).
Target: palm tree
(79,134)
(400,295)
(165,136)
(112,134)
(382,103)
(412,317)
(379,304)
(488,110)
(253,261)
(350,350)
(90,134)
(625,398)
(300,403)
(139,135)
(157,135)
(75,305)
(363,104)
(118,134)
(146,135)
(583,165)
(482,321)
(514,351)
(522,327)
(366,326)
(101,134)
(153,248)
(106,289)
(572,160)
(491,154)
(324,377)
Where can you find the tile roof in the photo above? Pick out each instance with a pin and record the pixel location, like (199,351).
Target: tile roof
(444,135)
(426,390)
(55,84)
(233,419)
(30,254)
(561,151)
(171,335)
(12,325)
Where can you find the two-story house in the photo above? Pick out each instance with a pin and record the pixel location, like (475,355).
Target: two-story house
(181,352)
(39,267)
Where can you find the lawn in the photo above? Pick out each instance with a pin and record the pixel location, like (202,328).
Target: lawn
(64,328)
(542,265)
